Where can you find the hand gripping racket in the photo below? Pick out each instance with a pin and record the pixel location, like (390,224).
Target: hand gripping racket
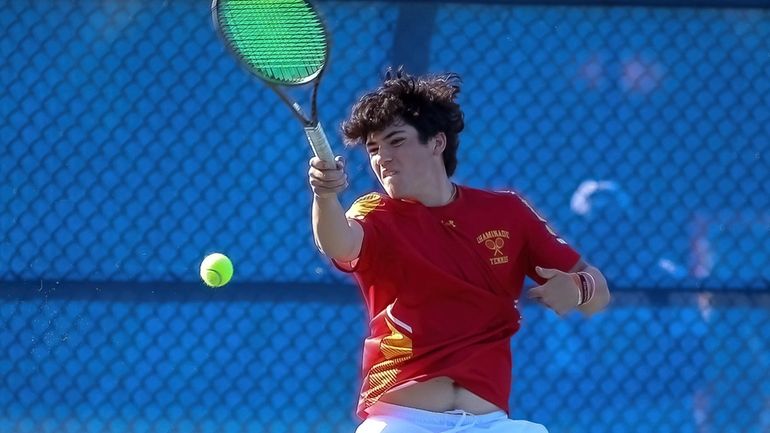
(285,44)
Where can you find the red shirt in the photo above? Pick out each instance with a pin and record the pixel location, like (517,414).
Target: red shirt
(441,285)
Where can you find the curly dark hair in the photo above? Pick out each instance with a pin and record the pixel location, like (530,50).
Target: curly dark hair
(427,103)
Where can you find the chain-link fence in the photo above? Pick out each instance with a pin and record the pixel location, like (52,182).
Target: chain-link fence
(132,146)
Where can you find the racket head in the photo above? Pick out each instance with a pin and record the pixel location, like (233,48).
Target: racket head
(283,42)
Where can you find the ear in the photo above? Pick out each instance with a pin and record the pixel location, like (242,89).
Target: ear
(438,142)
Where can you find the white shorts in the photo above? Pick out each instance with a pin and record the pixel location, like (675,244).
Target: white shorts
(388,418)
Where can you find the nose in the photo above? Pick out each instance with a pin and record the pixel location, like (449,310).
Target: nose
(379,163)
(383,154)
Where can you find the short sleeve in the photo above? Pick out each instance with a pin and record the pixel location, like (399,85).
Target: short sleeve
(544,247)
(363,211)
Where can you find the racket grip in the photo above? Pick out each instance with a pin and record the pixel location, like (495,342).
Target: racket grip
(319,143)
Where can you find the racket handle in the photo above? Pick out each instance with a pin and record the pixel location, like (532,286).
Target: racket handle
(319,143)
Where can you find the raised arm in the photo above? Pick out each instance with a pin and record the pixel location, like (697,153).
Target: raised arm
(335,236)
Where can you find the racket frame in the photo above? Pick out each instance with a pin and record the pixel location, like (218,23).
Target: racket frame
(313,129)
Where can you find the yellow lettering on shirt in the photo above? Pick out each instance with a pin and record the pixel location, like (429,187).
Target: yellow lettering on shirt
(493,234)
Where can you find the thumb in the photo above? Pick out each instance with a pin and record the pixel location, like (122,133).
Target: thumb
(546,273)
(340,162)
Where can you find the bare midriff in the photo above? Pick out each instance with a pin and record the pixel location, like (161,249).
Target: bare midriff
(440,394)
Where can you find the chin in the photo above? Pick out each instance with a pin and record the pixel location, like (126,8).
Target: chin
(392,191)
(396,187)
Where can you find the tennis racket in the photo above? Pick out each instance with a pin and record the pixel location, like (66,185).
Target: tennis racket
(284,43)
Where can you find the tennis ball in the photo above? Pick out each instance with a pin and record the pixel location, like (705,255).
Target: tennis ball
(216,270)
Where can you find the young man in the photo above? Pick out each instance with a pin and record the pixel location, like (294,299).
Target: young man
(441,266)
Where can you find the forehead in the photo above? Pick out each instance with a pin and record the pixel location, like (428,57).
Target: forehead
(396,125)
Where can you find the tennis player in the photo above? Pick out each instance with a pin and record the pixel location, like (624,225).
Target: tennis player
(441,266)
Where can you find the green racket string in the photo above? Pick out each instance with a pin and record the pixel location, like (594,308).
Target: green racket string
(282,40)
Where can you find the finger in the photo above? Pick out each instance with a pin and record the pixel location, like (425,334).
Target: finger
(320,183)
(535,296)
(546,273)
(535,293)
(315,162)
(320,164)
(336,183)
(318,175)
(329,184)
(541,302)
(314,172)
(327,175)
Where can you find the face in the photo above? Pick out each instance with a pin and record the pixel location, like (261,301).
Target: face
(405,167)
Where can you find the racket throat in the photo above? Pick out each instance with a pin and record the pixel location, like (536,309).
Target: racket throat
(299,113)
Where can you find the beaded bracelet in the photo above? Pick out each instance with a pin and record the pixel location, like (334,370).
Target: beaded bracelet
(587,288)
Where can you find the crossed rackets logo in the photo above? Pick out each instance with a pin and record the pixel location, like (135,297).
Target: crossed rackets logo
(494,241)
(496,246)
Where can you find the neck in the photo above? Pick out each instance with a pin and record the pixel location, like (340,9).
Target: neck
(441,196)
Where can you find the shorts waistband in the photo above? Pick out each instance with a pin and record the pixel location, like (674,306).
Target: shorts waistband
(450,419)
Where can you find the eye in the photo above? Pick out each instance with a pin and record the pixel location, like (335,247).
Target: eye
(397,142)
(371,150)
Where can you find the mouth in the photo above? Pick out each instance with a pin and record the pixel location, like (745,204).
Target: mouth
(387,173)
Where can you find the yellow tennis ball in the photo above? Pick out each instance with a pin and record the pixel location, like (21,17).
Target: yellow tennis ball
(216,270)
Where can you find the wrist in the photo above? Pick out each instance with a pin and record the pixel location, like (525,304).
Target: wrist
(325,196)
